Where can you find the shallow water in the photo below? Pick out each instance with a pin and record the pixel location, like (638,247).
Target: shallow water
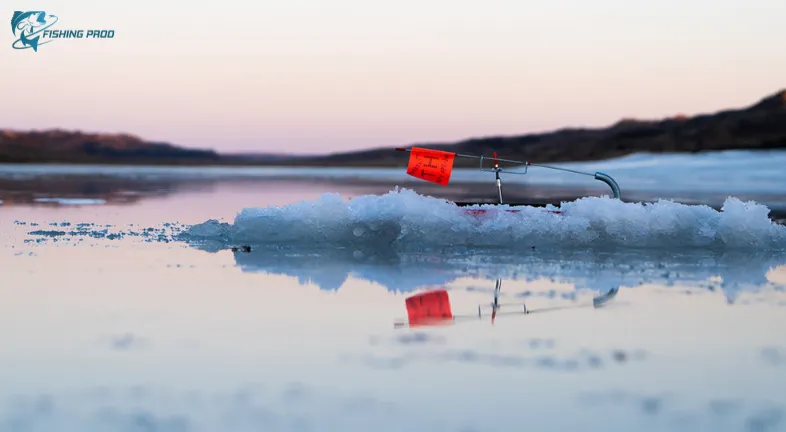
(112,319)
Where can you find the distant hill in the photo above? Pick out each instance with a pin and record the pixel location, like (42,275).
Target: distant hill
(76,147)
(760,126)
(60,146)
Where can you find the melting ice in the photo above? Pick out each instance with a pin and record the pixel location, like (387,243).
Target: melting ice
(405,220)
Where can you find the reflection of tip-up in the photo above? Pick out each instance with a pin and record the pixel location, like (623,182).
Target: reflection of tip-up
(432,308)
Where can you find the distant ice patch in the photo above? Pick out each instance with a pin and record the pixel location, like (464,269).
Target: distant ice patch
(731,171)
(71,201)
(405,220)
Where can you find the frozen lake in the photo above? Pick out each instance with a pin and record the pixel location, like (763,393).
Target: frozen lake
(124,309)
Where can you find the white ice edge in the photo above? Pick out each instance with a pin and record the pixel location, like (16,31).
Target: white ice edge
(405,220)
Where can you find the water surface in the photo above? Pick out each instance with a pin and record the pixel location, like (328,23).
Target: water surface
(112,319)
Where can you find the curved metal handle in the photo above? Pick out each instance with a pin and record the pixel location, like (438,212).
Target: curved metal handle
(605,178)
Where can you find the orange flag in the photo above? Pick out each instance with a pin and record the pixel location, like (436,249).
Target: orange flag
(431,165)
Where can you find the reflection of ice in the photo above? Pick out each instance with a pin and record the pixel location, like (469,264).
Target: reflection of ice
(330,268)
(585,269)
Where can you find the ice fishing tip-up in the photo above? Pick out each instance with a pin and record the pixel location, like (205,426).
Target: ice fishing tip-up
(436,166)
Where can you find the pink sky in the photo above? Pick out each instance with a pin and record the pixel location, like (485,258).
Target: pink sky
(306,76)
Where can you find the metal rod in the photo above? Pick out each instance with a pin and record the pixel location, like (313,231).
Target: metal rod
(499,181)
(562,169)
(518,162)
(497,291)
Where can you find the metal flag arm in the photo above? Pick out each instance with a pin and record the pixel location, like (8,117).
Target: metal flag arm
(598,301)
(600,176)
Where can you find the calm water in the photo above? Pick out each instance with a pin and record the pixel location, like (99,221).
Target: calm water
(111,321)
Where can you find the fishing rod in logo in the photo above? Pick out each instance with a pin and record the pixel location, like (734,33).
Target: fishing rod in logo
(32,28)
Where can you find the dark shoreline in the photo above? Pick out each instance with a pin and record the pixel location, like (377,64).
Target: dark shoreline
(759,126)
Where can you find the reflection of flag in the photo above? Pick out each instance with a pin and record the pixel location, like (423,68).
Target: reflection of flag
(432,307)
(431,165)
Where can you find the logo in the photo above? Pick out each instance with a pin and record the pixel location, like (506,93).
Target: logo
(29,26)
(32,30)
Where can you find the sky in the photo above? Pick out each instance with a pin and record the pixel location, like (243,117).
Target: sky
(311,76)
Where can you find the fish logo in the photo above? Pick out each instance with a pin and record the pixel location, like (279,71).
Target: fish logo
(27,26)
